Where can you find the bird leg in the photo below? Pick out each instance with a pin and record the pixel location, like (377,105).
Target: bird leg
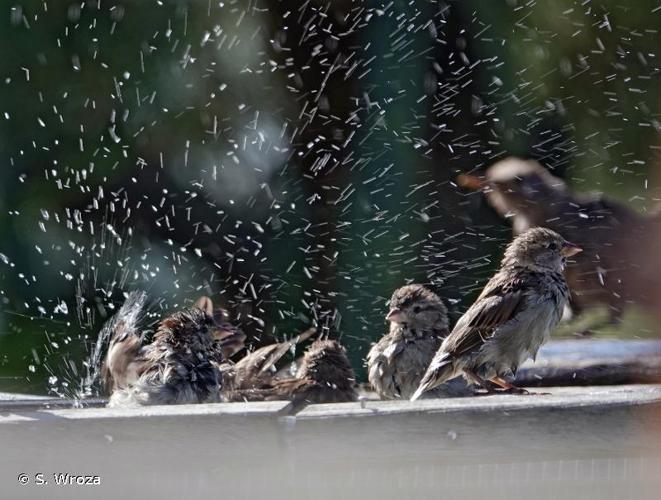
(485,384)
(507,387)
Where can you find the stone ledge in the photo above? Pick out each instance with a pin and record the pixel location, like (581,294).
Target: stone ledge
(270,408)
(13,396)
(557,397)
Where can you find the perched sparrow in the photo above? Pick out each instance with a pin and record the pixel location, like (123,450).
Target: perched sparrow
(325,376)
(181,365)
(513,316)
(615,269)
(418,323)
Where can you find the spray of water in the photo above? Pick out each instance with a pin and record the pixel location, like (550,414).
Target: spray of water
(129,315)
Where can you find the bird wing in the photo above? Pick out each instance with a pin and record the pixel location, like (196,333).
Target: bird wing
(496,305)
(122,364)
(380,365)
(276,390)
(385,350)
(254,365)
(120,367)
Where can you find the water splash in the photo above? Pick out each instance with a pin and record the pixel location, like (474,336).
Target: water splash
(129,315)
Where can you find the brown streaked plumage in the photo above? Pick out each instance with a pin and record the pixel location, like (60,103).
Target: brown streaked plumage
(418,324)
(122,364)
(325,376)
(180,365)
(616,269)
(259,366)
(513,316)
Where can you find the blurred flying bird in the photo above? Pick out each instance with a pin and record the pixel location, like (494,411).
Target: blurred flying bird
(616,268)
(324,376)
(513,316)
(418,323)
(180,365)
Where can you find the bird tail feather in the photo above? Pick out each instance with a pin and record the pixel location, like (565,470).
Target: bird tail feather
(439,371)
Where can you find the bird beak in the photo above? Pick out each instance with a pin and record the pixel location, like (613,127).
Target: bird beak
(395,316)
(569,249)
(471,182)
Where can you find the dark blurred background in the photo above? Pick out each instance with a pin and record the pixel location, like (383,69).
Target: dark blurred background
(295,160)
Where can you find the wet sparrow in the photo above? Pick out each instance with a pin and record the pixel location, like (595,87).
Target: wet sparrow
(324,376)
(181,365)
(418,323)
(513,316)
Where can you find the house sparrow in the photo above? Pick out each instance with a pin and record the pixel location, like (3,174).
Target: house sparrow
(614,270)
(513,316)
(325,376)
(181,365)
(418,323)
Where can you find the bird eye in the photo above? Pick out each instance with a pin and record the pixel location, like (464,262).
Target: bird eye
(552,246)
(416,309)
